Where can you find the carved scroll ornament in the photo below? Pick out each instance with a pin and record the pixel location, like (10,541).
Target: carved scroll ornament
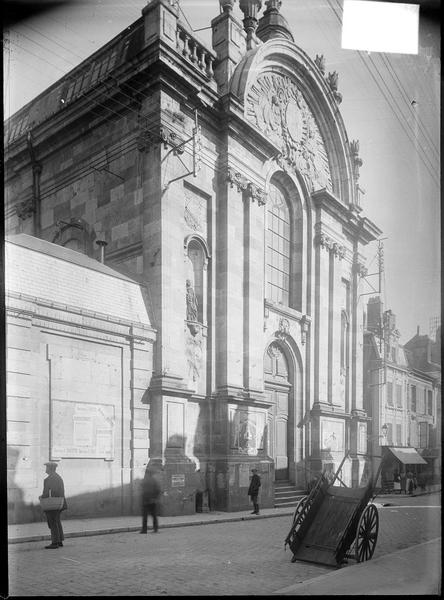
(323,240)
(252,191)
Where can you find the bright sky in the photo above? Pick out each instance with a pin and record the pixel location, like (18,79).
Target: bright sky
(391,104)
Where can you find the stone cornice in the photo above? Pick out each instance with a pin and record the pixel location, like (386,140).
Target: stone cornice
(326,200)
(169,385)
(73,316)
(237,395)
(355,226)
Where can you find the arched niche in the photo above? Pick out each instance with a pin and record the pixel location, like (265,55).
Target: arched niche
(196,257)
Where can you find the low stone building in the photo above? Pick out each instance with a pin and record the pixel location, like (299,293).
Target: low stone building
(79,345)
(223,179)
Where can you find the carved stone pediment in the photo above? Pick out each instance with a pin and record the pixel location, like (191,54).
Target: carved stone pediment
(276,106)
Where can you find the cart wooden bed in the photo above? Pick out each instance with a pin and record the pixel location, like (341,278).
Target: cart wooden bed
(333,524)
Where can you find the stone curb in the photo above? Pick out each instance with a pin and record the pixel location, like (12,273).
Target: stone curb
(346,571)
(133,528)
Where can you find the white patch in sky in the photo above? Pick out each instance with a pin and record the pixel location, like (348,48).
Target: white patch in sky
(380,26)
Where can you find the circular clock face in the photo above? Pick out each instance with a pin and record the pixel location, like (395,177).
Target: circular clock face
(295,122)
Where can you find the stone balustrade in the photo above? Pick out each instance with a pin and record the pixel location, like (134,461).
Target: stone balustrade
(195,52)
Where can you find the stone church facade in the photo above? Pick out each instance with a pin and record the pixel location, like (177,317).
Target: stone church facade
(224,181)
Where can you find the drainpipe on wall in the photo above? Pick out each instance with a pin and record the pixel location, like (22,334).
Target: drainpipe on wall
(36,172)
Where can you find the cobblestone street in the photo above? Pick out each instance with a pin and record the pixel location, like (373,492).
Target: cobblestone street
(245,558)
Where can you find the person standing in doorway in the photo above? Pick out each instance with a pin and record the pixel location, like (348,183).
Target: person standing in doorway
(253,490)
(150,499)
(53,486)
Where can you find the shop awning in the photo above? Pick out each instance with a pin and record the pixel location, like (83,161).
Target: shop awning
(408,456)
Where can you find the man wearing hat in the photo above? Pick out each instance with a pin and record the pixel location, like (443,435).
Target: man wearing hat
(53,485)
(253,490)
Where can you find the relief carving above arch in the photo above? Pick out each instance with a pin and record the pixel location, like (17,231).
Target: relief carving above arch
(276,106)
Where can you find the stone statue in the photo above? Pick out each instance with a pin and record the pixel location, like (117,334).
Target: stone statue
(191,302)
(320,62)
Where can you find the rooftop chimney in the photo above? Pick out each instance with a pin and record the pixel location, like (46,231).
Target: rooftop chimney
(102,244)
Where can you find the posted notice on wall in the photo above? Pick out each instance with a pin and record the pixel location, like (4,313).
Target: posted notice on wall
(82,430)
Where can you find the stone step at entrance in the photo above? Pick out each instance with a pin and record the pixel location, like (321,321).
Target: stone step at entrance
(286,494)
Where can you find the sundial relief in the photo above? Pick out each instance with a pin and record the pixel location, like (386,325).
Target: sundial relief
(277,108)
(195,212)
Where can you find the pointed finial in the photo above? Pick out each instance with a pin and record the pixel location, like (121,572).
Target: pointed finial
(226,5)
(250,8)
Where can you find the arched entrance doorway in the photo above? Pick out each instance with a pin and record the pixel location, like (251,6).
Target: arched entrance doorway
(278,389)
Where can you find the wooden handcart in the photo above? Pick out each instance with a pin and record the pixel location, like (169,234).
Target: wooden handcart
(333,524)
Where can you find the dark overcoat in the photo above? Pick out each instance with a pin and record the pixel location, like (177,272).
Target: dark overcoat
(255,484)
(53,485)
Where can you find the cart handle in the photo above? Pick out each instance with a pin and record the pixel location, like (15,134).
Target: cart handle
(339,469)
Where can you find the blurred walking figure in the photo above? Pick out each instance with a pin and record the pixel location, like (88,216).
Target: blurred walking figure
(410,482)
(253,490)
(150,499)
(53,487)
(396,482)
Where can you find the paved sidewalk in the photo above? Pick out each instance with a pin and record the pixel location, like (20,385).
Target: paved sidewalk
(34,532)
(38,531)
(411,571)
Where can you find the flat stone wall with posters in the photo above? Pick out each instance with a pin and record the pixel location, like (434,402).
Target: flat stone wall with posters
(76,390)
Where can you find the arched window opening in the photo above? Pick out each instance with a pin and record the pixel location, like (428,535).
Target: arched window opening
(278,247)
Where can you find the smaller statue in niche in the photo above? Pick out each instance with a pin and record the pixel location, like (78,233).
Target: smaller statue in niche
(191,302)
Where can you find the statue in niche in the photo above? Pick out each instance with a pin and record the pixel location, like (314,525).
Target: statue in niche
(191,302)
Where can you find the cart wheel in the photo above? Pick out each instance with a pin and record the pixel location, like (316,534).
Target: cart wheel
(367,534)
(299,507)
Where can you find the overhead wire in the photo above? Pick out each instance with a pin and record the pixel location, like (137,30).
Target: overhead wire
(46,192)
(74,77)
(423,157)
(408,101)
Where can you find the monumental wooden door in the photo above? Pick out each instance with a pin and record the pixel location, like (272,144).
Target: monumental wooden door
(278,392)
